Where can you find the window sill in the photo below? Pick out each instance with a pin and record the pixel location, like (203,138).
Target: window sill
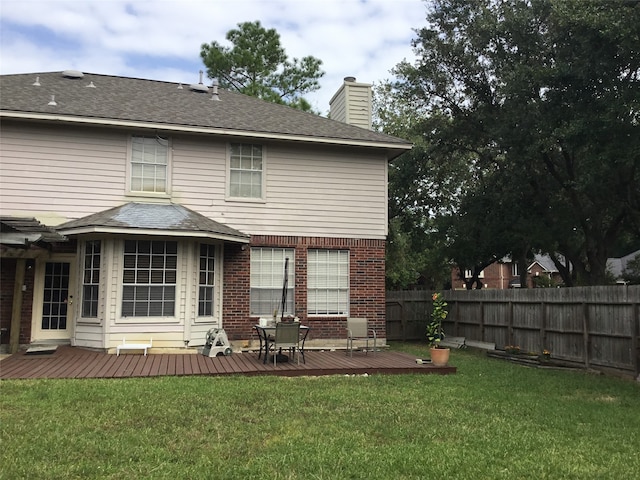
(244,200)
(145,320)
(163,196)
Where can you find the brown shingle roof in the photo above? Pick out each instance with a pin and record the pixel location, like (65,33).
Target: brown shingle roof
(150,218)
(121,100)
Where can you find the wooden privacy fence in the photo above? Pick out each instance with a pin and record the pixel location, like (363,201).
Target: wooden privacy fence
(598,327)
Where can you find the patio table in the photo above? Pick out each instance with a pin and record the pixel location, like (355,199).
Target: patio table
(266,332)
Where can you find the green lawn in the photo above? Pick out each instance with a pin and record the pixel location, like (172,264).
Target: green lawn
(491,420)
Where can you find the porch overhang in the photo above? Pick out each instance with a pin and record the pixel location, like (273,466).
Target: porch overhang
(19,234)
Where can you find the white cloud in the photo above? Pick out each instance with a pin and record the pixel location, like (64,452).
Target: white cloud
(161,39)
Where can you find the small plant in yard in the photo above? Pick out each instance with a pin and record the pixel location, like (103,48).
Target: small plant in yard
(546,355)
(513,349)
(434,329)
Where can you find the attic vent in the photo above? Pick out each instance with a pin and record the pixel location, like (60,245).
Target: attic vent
(72,74)
(91,85)
(37,82)
(198,87)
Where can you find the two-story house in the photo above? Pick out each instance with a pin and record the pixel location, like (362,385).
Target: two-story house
(505,274)
(138,208)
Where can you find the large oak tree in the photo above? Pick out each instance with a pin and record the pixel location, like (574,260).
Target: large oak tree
(542,98)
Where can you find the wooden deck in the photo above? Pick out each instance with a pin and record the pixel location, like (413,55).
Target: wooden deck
(75,362)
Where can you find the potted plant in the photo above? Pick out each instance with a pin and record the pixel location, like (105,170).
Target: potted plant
(435,334)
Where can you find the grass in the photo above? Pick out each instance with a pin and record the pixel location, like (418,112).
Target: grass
(492,420)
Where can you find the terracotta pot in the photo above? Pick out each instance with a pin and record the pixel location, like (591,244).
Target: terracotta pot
(440,357)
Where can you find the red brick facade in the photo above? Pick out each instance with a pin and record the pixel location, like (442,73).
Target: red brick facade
(495,276)
(367,289)
(367,286)
(7,279)
(499,275)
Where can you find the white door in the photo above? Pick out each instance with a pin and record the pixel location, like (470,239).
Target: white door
(53,299)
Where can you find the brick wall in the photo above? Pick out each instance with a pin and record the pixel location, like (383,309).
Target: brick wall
(7,277)
(367,289)
(495,276)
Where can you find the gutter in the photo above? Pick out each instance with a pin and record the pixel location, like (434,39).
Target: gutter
(400,147)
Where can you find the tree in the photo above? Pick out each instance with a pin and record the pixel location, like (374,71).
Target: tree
(419,186)
(257,65)
(543,98)
(631,273)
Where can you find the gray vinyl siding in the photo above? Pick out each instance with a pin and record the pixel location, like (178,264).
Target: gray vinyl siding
(352,104)
(58,174)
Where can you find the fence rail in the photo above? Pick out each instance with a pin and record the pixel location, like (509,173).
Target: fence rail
(597,327)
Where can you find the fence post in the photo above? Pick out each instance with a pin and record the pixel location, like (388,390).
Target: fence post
(585,333)
(543,327)
(635,348)
(481,321)
(510,323)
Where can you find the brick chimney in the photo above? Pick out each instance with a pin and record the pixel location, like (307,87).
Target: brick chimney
(352,103)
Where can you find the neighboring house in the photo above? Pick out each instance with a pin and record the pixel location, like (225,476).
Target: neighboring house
(617,266)
(505,274)
(146,209)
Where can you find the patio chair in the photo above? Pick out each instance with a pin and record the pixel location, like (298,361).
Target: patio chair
(358,329)
(287,337)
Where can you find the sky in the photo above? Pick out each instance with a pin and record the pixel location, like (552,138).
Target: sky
(161,39)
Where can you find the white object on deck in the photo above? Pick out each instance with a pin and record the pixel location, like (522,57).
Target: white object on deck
(134,346)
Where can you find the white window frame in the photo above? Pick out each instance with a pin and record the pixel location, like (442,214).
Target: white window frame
(515,269)
(91,272)
(139,266)
(267,279)
(207,272)
(132,162)
(234,170)
(328,281)
(469,273)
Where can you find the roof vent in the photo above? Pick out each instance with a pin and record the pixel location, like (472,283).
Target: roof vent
(91,85)
(199,87)
(37,82)
(214,90)
(52,102)
(179,86)
(72,74)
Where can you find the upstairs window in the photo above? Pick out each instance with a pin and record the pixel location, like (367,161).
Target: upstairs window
(245,171)
(469,274)
(149,164)
(515,271)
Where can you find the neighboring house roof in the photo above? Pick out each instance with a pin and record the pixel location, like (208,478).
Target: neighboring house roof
(22,232)
(545,262)
(152,219)
(88,98)
(617,266)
